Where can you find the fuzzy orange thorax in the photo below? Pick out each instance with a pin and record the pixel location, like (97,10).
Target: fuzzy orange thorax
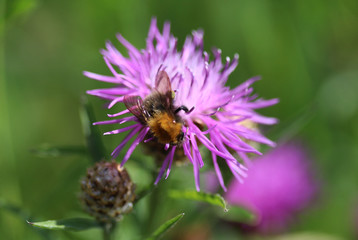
(165,128)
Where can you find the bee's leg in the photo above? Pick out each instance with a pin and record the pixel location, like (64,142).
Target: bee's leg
(185,109)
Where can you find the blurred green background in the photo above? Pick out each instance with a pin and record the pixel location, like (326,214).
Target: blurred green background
(306,52)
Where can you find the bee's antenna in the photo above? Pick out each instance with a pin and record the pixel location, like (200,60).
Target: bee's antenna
(185,109)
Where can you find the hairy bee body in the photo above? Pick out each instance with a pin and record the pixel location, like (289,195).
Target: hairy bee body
(165,128)
(158,112)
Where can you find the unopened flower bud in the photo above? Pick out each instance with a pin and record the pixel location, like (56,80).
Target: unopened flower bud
(107,191)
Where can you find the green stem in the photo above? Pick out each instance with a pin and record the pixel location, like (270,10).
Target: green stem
(153,203)
(108,231)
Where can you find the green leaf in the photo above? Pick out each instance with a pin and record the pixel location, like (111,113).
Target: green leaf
(214,199)
(47,150)
(240,214)
(307,236)
(22,213)
(71,224)
(165,227)
(93,137)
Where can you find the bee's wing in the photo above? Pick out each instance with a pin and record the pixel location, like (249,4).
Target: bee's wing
(135,105)
(162,83)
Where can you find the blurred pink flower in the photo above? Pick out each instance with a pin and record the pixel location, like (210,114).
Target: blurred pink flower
(278,185)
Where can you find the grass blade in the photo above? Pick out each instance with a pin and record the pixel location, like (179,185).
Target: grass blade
(165,227)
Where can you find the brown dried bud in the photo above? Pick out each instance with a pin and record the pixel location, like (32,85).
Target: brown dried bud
(107,191)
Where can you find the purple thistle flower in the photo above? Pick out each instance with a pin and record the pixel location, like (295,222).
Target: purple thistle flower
(198,83)
(280,184)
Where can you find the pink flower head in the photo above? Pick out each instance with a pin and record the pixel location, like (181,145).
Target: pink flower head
(278,186)
(199,85)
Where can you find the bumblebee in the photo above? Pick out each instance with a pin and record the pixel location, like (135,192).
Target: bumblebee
(157,111)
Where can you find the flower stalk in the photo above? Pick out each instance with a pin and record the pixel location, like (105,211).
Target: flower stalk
(109,230)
